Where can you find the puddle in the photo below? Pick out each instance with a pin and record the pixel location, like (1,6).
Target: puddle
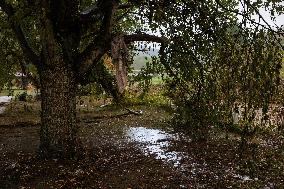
(3,101)
(156,142)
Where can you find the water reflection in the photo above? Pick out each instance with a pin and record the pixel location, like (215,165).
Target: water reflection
(5,99)
(155,142)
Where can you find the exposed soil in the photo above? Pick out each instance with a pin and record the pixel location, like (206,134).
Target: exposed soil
(112,160)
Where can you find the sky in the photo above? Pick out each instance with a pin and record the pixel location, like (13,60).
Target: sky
(266,15)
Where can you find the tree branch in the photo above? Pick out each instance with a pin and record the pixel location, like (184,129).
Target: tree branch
(238,13)
(268,25)
(93,54)
(101,44)
(27,50)
(143,37)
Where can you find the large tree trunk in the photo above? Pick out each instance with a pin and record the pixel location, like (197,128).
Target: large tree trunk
(58,116)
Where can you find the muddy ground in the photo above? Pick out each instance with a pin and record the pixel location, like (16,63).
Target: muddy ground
(124,150)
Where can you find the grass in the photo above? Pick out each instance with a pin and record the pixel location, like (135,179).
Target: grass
(157,80)
(16,92)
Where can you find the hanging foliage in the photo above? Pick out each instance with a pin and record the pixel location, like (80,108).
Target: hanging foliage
(219,67)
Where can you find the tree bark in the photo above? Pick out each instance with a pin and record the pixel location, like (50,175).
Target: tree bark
(119,53)
(121,75)
(58,116)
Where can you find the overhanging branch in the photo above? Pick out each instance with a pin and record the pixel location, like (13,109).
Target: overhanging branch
(143,37)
